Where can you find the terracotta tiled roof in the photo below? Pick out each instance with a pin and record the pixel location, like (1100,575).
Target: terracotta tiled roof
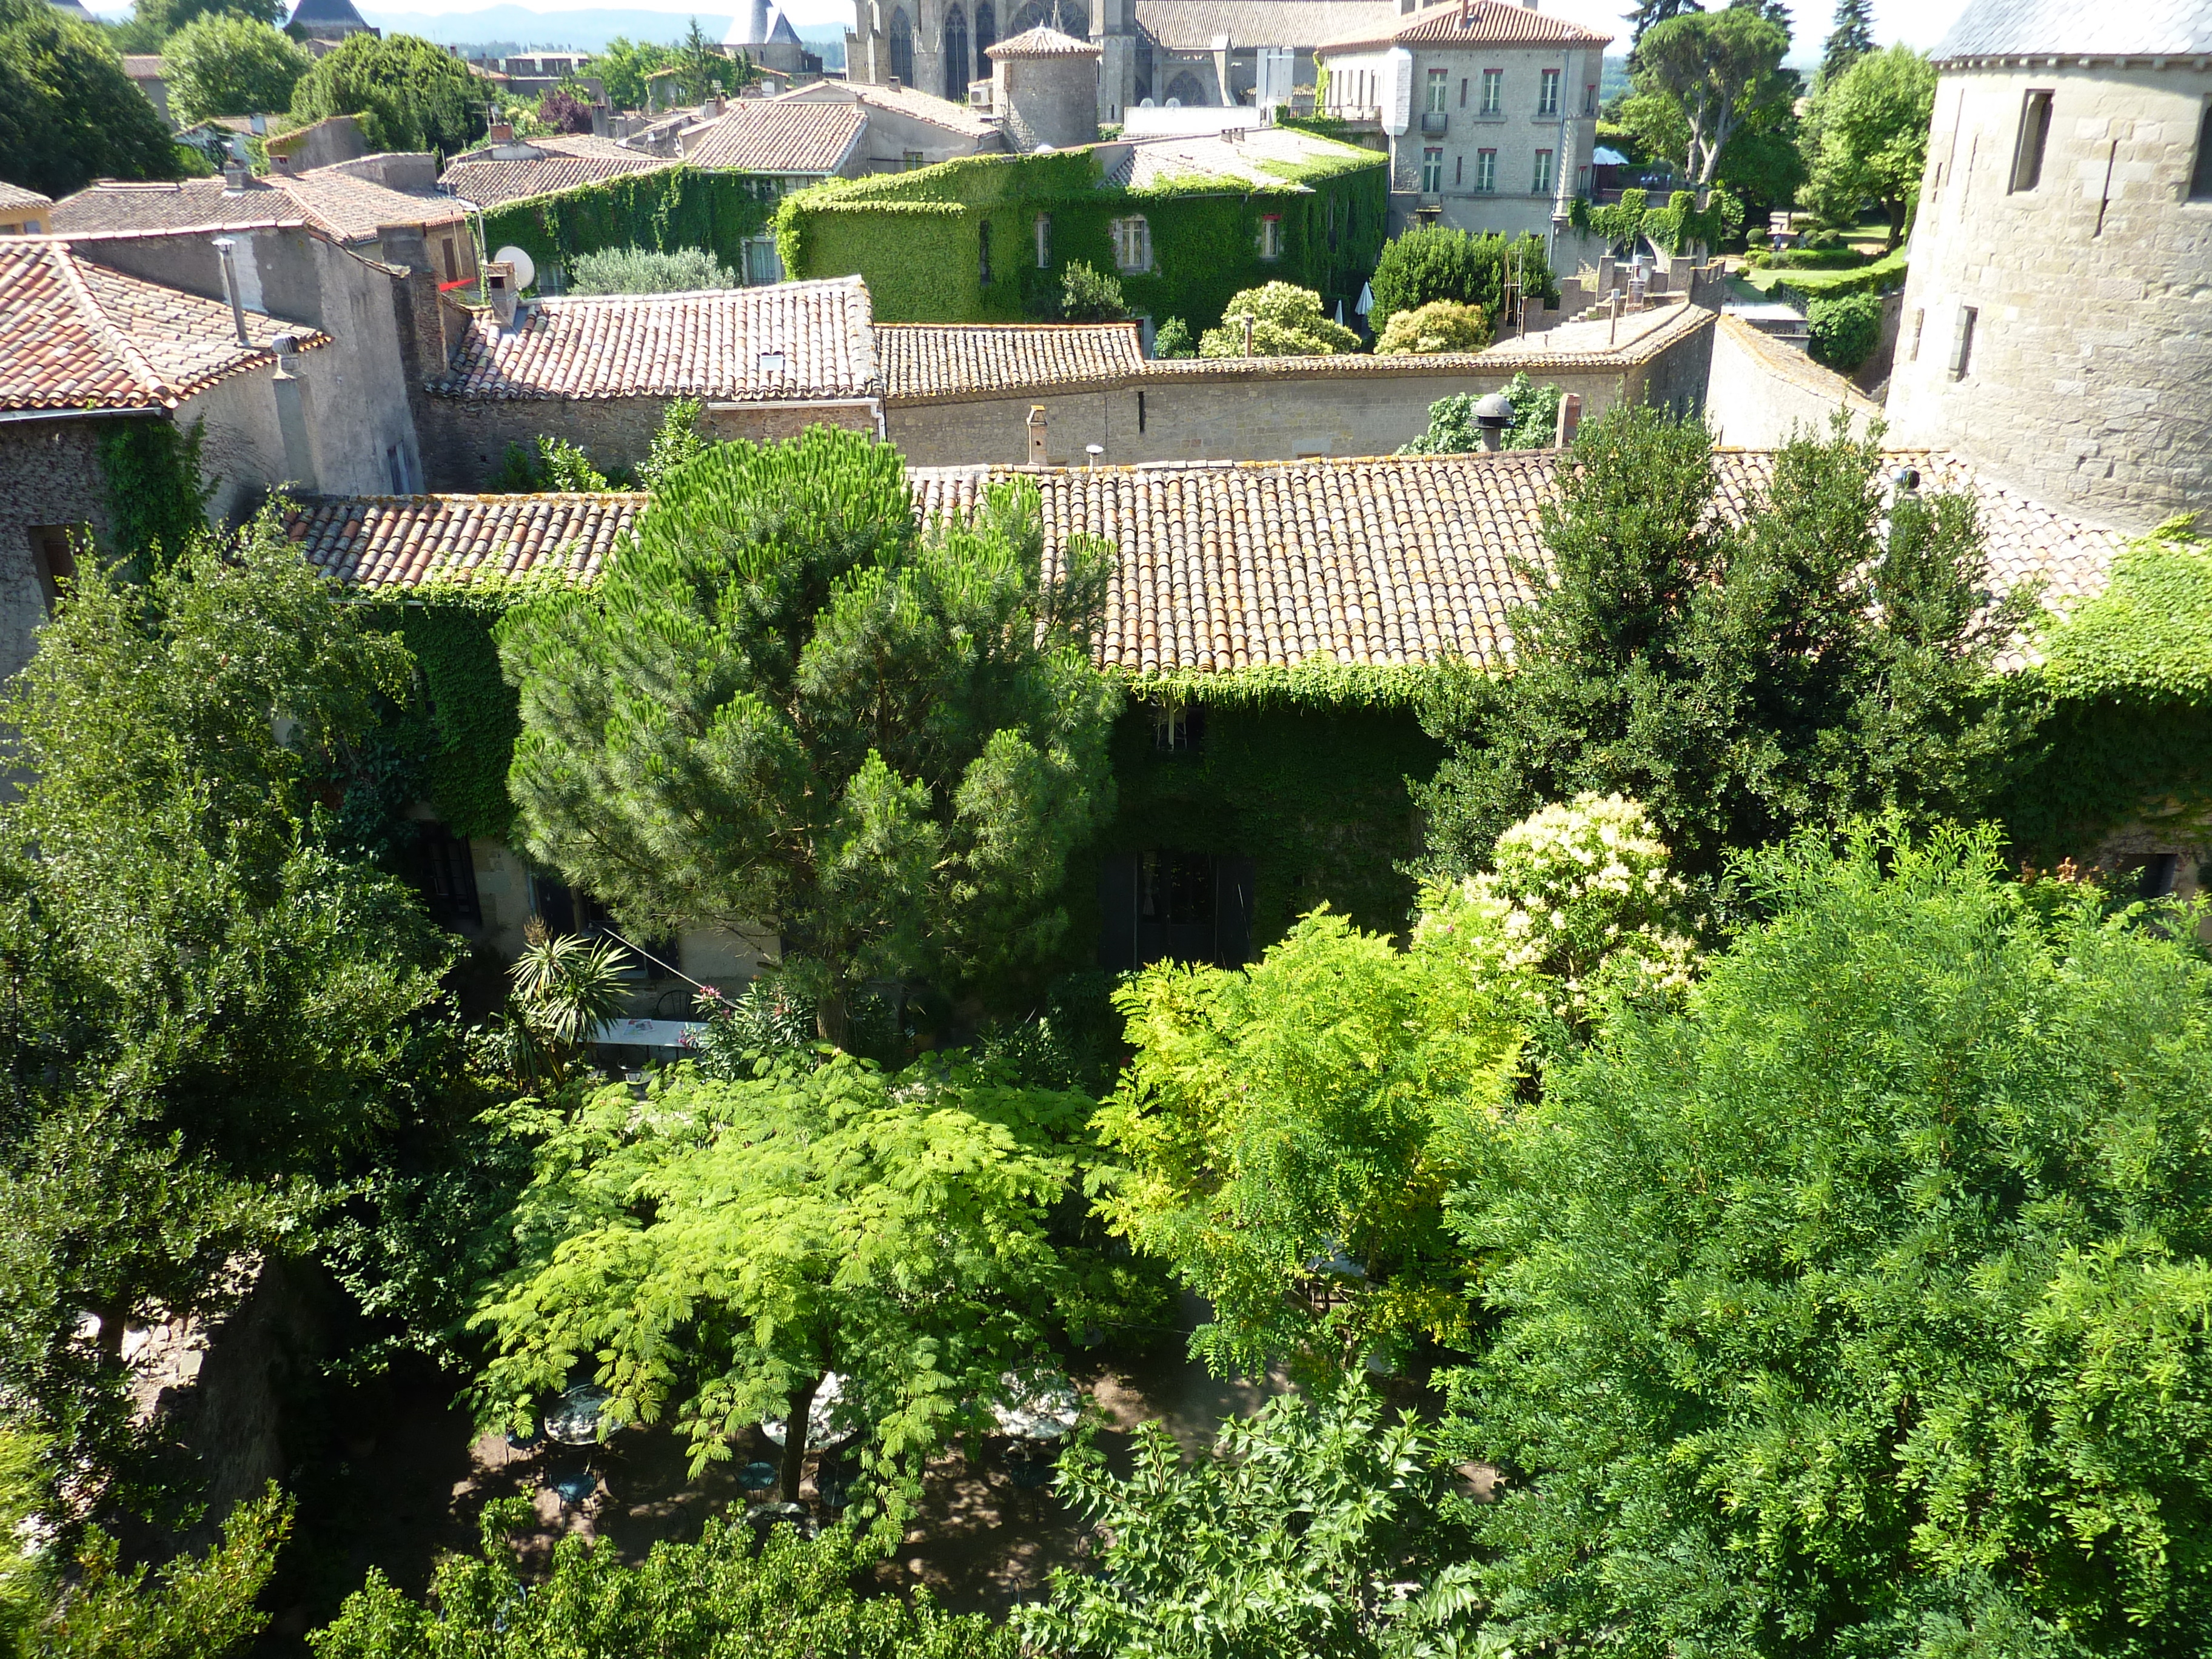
(334,202)
(921,106)
(15,196)
(1475,23)
(1398,561)
(1393,561)
(404,541)
(491,183)
(769,135)
(1042,41)
(74,335)
(788,340)
(924,360)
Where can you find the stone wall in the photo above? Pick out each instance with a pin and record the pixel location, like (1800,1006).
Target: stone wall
(1760,389)
(49,475)
(1281,409)
(362,433)
(464,439)
(2088,378)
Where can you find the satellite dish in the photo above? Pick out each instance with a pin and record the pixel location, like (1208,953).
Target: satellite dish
(526,269)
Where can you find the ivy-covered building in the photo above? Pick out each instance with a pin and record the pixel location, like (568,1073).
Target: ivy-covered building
(1184,222)
(1275,623)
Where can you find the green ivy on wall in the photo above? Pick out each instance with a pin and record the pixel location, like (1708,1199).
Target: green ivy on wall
(1315,796)
(919,237)
(157,495)
(474,717)
(673,208)
(2130,735)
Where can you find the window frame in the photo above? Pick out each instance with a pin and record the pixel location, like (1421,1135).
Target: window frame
(1485,172)
(1133,245)
(1493,92)
(1439,92)
(1433,169)
(1962,341)
(1041,230)
(1270,236)
(1548,85)
(1544,178)
(2032,141)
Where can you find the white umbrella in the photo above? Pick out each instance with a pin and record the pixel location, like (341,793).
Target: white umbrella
(1339,314)
(1366,299)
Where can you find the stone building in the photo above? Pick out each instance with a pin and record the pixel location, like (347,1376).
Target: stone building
(323,23)
(2055,324)
(1190,52)
(22,212)
(1041,86)
(599,372)
(1491,109)
(84,347)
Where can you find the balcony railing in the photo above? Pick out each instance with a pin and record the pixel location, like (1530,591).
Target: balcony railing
(1433,123)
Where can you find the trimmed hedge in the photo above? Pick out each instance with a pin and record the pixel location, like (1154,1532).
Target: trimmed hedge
(1806,258)
(1807,286)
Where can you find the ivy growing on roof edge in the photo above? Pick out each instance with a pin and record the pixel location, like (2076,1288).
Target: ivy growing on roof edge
(917,238)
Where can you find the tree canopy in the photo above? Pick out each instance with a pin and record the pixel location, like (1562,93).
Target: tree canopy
(622,66)
(1858,1308)
(215,998)
(787,702)
(1287,321)
(407,94)
(1830,658)
(68,113)
(1868,137)
(1851,40)
(716,1599)
(221,63)
(1719,69)
(720,1252)
(1427,263)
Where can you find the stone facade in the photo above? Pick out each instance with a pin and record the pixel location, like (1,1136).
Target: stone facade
(49,479)
(1760,390)
(1281,408)
(2056,330)
(464,439)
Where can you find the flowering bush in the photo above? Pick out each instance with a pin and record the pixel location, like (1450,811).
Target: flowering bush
(1580,898)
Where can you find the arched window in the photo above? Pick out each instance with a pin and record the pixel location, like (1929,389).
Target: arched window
(956,56)
(987,35)
(902,47)
(1068,16)
(1186,91)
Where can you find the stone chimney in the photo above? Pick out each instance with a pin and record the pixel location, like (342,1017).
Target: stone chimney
(235,173)
(426,334)
(602,119)
(1571,419)
(1036,435)
(499,288)
(500,132)
(291,393)
(280,163)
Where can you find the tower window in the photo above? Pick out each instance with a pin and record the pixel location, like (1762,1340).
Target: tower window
(1962,341)
(2200,182)
(2034,133)
(1044,241)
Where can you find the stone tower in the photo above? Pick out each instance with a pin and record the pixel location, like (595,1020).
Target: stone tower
(1044,86)
(2058,322)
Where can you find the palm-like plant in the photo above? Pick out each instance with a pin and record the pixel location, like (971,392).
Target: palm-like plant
(566,987)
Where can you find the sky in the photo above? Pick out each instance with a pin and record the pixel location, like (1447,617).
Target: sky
(1917,22)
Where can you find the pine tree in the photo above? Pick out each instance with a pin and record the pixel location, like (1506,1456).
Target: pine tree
(1648,12)
(1851,40)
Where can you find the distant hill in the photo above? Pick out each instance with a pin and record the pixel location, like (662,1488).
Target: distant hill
(520,29)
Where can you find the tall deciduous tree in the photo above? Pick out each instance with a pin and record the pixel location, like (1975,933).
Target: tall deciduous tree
(1832,657)
(209,1002)
(68,113)
(722,1251)
(152,22)
(1860,1307)
(623,65)
(406,93)
(785,704)
(1719,69)
(1867,137)
(226,64)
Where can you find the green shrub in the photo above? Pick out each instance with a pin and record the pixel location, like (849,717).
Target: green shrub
(1806,258)
(1173,339)
(1433,262)
(644,271)
(1807,286)
(1439,325)
(1287,322)
(1091,296)
(1845,330)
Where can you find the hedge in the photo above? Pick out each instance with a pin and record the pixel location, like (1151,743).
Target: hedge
(918,237)
(1807,286)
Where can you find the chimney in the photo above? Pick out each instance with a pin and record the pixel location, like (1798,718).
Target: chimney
(226,251)
(235,173)
(500,132)
(602,118)
(1036,435)
(280,163)
(498,287)
(291,393)
(1571,419)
